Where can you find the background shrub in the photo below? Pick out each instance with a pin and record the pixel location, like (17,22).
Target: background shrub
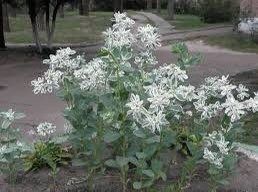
(213,11)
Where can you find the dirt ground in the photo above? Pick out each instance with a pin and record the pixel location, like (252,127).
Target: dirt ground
(72,179)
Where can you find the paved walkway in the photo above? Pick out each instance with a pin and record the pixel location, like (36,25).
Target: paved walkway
(164,26)
(169,33)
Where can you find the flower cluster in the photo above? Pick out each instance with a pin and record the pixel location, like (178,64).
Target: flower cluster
(61,66)
(45,129)
(228,98)
(92,76)
(216,148)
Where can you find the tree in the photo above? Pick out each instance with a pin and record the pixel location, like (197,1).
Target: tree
(50,29)
(118,5)
(171,9)
(62,10)
(6,17)
(2,41)
(84,6)
(158,6)
(149,4)
(33,10)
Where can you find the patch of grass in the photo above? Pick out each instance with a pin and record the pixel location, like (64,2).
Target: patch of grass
(234,42)
(250,136)
(71,29)
(184,22)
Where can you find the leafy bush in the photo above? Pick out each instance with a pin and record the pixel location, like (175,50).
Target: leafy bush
(213,11)
(127,112)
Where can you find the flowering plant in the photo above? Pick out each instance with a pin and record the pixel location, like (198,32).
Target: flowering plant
(12,147)
(125,104)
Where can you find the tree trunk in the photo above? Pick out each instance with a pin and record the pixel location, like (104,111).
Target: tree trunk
(51,31)
(149,4)
(62,10)
(6,18)
(118,6)
(121,6)
(158,6)
(84,7)
(170,8)
(13,11)
(33,19)
(41,21)
(2,41)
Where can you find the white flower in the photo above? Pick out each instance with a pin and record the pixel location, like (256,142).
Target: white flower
(242,92)
(120,34)
(66,51)
(48,82)
(227,89)
(135,105)
(222,144)
(252,103)
(233,108)
(9,115)
(2,149)
(216,148)
(158,97)
(185,93)
(92,76)
(121,20)
(149,37)
(189,113)
(155,122)
(19,144)
(213,158)
(45,129)
(170,75)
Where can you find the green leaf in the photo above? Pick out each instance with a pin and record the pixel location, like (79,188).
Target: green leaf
(223,182)
(19,115)
(139,133)
(163,176)
(111,163)
(60,139)
(6,124)
(141,155)
(155,139)
(147,183)
(148,173)
(134,161)
(169,138)
(122,161)
(78,162)
(156,165)
(150,150)
(137,185)
(111,136)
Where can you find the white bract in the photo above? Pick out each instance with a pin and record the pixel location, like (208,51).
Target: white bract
(216,148)
(9,115)
(45,129)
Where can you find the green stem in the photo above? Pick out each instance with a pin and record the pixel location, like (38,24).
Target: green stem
(121,109)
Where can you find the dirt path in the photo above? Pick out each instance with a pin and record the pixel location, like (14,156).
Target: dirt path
(216,61)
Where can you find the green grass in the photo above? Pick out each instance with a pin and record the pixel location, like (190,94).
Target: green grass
(233,42)
(71,29)
(250,135)
(184,22)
